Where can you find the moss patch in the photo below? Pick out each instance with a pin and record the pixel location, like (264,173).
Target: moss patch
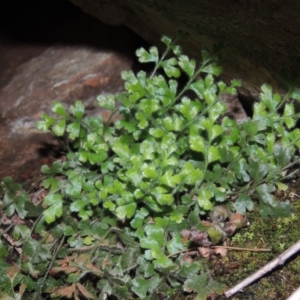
(276,234)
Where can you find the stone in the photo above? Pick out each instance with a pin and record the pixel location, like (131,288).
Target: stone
(35,74)
(259,38)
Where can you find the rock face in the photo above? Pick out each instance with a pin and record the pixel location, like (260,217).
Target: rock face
(260,37)
(82,60)
(78,57)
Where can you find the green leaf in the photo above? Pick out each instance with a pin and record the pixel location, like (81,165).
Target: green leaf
(166,40)
(204,286)
(170,70)
(213,69)
(197,143)
(281,186)
(217,110)
(288,113)
(126,211)
(164,263)
(75,186)
(295,94)
(282,209)
(139,218)
(149,171)
(147,149)
(204,197)
(190,175)
(162,196)
(59,128)
(107,102)
(143,122)
(59,109)
(209,96)
(216,130)
(73,129)
(169,179)
(78,205)
(149,106)
(243,203)
(213,154)
(240,167)
(157,132)
(187,65)
(77,109)
(140,286)
(122,150)
(46,124)
(189,109)
(264,192)
(177,50)
(145,56)
(257,169)
(283,155)
(268,99)
(54,201)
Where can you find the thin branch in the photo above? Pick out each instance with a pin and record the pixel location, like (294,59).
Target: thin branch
(243,249)
(295,295)
(226,247)
(264,270)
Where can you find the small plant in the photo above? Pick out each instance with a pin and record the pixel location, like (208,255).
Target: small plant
(117,204)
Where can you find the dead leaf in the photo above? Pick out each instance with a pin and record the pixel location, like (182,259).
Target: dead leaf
(239,220)
(63,291)
(12,272)
(220,213)
(206,223)
(230,228)
(221,250)
(22,289)
(84,291)
(205,251)
(92,268)
(66,269)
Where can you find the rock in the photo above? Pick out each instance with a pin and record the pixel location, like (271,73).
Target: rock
(260,38)
(34,75)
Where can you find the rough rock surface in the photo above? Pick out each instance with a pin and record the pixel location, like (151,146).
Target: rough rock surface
(77,58)
(34,73)
(260,37)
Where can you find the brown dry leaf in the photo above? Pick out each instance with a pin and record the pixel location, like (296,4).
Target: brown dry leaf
(63,291)
(185,233)
(15,219)
(38,196)
(204,251)
(220,213)
(12,272)
(221,250)
(230,228)
(22,289)
(206,223)
(198,236)
(186,258)
(239,220)
(84,291)
(92,268)
(66,269)
(67,260)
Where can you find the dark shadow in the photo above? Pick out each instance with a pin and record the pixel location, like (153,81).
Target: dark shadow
(27,28)
(54,151)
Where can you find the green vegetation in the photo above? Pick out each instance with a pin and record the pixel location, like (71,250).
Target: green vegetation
(116,205)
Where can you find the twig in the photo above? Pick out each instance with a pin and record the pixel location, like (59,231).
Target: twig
(226,247)
(295,295)
(264,270)
(243,249)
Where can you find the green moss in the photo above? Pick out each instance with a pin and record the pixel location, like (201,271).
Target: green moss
(276,234)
